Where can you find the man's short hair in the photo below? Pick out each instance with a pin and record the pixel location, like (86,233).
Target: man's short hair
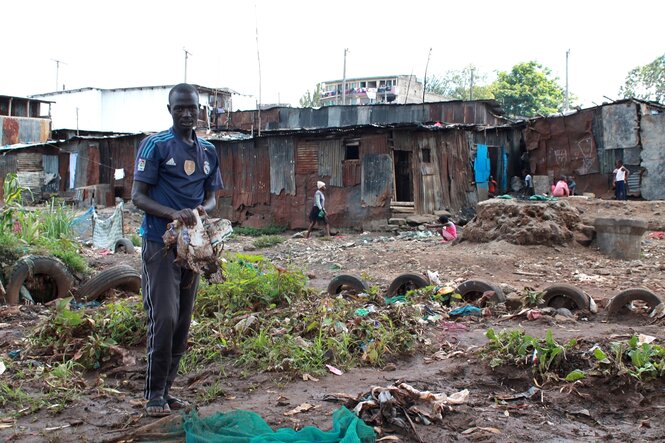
(185,88)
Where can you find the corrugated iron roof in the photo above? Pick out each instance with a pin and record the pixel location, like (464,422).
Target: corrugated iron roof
(19,146)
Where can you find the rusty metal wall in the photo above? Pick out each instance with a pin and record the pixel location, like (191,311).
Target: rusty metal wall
(377,179)
(653,156)
(307,157)
(282,165)
(460,112)
(331,158)
(375,143)
(455,171)
(24,130)
(251,166)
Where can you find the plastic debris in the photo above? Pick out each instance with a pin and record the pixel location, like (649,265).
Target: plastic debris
(334,370)
(464,311)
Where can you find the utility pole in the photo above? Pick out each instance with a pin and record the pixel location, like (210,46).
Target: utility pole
(425,78)
(57,71)
(344,78)
(566,104)
(187,54)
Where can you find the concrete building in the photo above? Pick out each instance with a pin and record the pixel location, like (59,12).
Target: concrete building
(128,110)
(400,89)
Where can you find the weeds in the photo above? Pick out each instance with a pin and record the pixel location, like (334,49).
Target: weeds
(257,232)
(520,349)
(267,241)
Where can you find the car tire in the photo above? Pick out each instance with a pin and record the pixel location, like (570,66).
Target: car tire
(472,290)
(33,265)
(562,295)
(619,301)
(406,282)
(346,281)
(118,277)
(124,245)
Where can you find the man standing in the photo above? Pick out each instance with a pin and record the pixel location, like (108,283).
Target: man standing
(175,173)
(620,177)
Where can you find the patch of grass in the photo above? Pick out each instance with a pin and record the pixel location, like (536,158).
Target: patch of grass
(18,399)
(210,393)
(267,241)
(520,349)
(257,232)
(136,240)
(65,249)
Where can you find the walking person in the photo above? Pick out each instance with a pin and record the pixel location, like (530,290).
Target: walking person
(175,173)
(620,178)
(318,212)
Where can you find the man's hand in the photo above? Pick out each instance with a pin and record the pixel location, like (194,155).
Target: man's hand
(202,211)
(185,216)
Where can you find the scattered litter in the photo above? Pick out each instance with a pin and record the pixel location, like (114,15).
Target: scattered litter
(468,310)
(334,370)
(362,312)
(528,395)
(3,368)
(533,314)
(434,278)
(454,326)
(305,407)
(14,355)
(479,428)
(657,235)
(308,377)
(642,339)
(395,299)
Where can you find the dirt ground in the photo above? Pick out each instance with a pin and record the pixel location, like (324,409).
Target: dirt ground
(594,410)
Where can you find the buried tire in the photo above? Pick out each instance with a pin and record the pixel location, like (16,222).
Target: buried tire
(124,245)
(346,281)
(118,277)
(55,279)
(618,303)
(562,295)
(406,282)
(472,290)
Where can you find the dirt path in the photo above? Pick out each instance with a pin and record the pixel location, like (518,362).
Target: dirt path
(591,410)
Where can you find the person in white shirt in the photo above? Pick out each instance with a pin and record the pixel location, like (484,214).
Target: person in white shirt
(318,213)
(528,183)
(620,178)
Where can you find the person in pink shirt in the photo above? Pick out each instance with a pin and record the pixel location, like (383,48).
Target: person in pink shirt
(448,229)
(560,189)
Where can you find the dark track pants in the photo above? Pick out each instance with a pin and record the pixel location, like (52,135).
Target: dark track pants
(169,291)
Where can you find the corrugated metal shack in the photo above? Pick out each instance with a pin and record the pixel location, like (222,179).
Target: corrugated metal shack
(586,145)
(80,167)
(479,112)
(272,179)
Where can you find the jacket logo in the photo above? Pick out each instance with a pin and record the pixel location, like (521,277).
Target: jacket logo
(206,167)
(190,167)
(141,165)
(171,162)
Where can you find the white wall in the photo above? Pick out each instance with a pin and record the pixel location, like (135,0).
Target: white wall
(114,110)
(64,110)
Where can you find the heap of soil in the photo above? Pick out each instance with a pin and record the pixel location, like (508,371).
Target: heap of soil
(524,222)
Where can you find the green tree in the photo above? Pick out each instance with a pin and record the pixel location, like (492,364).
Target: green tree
(311,99)
(529,90)
(646,82)
(456,84)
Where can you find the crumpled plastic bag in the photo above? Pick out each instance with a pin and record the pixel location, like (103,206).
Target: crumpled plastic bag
(199,247)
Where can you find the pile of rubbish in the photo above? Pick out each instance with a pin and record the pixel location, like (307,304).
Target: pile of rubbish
(199,247)
(525,223)
(401,405)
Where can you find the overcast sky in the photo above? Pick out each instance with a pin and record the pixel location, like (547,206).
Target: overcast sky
(124,43)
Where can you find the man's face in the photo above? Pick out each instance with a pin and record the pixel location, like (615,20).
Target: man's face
(184,108)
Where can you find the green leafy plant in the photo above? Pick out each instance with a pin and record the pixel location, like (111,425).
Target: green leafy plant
(518,348)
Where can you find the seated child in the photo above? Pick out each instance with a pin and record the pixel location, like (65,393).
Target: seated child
(448,229)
